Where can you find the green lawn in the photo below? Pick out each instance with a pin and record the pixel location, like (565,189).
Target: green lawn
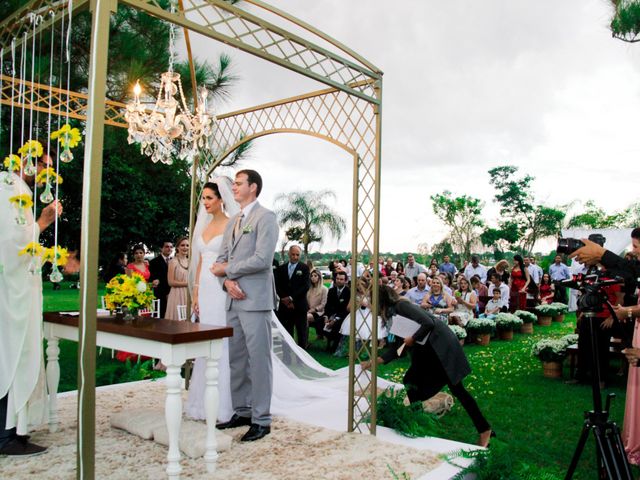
(539,418)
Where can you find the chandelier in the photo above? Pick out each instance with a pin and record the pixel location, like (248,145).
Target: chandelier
(170,129)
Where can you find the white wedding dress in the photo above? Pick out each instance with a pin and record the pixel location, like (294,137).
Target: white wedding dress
(303,389)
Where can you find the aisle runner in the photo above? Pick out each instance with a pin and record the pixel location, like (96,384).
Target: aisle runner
(292,451)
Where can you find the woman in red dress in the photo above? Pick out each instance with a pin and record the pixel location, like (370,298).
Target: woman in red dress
(546,290)
(139,264)
(518,284)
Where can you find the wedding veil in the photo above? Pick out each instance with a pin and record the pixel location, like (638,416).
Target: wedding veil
(230,207)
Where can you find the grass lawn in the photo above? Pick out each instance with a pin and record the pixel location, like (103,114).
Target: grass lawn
(539,418)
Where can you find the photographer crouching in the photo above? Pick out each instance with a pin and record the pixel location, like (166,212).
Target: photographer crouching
(591,254)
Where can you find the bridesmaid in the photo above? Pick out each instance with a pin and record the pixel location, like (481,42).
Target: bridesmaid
(178,276)
(139,264)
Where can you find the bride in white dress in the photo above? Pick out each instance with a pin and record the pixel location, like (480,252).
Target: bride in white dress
(302,388)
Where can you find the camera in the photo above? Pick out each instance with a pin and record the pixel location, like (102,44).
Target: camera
(570,245)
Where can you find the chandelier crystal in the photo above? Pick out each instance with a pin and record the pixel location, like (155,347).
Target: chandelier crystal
(169,129)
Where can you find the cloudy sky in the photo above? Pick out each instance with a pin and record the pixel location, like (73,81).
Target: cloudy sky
(467,86)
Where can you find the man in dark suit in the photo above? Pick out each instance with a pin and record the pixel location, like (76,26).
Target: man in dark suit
(336,310)
(292,284)
(159,267)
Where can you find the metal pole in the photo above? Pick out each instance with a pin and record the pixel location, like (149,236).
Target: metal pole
(355,230)
(90,230)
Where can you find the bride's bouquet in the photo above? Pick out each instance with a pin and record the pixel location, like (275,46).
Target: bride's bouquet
(129,291)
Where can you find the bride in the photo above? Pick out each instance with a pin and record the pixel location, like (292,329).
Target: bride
(302,388)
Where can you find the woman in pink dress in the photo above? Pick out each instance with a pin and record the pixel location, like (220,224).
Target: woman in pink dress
(178,278)
(139,264)
(631,426)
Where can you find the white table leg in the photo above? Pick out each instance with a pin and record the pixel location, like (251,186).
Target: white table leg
(173,416)
(211,400)
(53,378)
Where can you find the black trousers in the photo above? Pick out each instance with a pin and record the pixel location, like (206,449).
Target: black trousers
(5,435)
(426,376)
(295,320)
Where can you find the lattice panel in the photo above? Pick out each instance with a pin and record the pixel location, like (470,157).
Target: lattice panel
(59,100)
(349,122)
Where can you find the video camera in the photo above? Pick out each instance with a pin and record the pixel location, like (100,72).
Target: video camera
(570,245)
(592,285)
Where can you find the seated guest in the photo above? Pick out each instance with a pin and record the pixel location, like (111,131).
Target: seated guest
(446,282)
(388,267)
(336,310)
(447,267)
(392,279)
(417,293)
(496,283)
(438,302)
(397,285)
(400,268)
(317,299)
(465,307)
(406,286)
(547,289)
(441,361)
(481,291)
(494,305)
(475,268)
(433,271)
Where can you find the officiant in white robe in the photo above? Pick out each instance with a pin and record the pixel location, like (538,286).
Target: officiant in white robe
(22,379)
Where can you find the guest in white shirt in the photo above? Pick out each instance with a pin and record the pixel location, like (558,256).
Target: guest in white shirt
(475,268)
(496,283)
(494,305)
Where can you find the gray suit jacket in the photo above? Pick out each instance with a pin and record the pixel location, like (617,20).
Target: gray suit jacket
(250,259)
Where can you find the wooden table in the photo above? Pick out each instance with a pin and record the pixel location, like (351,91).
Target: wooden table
(172,342)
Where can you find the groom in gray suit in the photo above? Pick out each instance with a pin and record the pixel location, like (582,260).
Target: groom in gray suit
(244,266)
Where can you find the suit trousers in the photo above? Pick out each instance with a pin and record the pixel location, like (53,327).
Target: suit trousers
(293,319)
(5,435)
(426,377)
(250,364)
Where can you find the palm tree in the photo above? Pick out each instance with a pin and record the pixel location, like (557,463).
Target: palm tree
(306,216)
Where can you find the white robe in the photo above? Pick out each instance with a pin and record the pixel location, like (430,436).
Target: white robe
(21,358)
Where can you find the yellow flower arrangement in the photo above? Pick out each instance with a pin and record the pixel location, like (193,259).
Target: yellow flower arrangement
(22,201)
(56,255)
(48,174)
(128,291)
(32,248)
(31,148)
(67,137)
(12,163)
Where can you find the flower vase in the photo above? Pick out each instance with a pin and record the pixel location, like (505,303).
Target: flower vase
(125,314)
(544,320)
(552,369)
(505,334)
(461,340)
(483,339)
(526,328)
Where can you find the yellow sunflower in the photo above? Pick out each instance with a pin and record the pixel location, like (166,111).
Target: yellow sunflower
(12,163)
(23,200)
(31,147)
(67,137)
(32,248)
(48,174)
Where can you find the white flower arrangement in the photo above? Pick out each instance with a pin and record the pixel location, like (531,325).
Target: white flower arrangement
(550,349)
(525,316)
(459,332)
(481,325)
(507,321)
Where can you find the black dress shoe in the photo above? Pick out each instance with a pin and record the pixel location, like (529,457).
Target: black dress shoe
(19,446)
(236,421)
(256,432)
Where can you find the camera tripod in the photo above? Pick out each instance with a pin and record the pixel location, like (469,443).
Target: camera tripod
(611,457)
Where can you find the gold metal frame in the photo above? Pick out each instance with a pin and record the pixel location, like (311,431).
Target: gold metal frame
(348,114)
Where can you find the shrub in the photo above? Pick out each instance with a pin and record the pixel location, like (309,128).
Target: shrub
(460,332)
(560,308)
(526,317)
(550,349)
(481,325)
(507,321)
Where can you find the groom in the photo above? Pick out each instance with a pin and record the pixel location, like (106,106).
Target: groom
(244,266)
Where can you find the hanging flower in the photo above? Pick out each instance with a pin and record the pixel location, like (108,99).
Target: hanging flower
(56,255)
(33,248)
(67,137)
(31,148)
(22,201)
(12,163)
(48,175)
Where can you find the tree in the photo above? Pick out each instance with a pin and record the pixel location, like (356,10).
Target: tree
(625,24)
(522,219)
(308,211)
(463,216)
(595,217)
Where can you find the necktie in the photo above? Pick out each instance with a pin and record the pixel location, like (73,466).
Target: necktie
(236,227)
(292,267)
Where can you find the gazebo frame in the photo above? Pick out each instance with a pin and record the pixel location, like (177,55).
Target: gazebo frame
(347,114)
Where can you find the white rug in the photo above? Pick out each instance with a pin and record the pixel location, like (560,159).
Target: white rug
(292,451)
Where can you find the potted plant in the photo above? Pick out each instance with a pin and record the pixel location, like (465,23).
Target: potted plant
(481,329)
(459,332)
(527,320)
(545,313)
(560,310)
(551,352)
(506,323)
